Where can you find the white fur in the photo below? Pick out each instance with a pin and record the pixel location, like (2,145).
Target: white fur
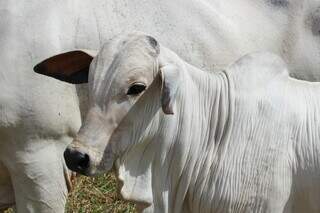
(39,116)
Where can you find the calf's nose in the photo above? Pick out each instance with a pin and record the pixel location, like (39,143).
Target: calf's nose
(76,160)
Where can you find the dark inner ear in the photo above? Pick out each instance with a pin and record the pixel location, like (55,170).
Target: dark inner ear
(71,67)
(153,42)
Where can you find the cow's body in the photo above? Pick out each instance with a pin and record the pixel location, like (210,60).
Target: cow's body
(39,116)
(274,139)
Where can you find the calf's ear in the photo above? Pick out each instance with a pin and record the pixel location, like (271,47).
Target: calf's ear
(71,67)
(170,77)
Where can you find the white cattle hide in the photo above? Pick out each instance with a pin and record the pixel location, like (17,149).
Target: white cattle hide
(39,116)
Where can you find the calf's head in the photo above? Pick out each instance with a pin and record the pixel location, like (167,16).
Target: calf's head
(130,81)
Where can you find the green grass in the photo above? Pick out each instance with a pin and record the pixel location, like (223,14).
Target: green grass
(98,194)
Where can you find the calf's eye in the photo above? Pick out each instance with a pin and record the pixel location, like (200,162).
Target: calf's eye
(136,89)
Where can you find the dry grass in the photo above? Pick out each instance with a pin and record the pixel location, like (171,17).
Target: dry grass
(96,195)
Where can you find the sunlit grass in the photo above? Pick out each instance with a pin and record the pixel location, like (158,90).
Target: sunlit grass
(98,194)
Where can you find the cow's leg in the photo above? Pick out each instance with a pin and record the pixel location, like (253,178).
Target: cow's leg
(37,171)
(6,189)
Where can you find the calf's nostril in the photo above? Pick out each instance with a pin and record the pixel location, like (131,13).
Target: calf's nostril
(84,162)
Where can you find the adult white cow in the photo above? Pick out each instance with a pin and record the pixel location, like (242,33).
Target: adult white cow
(39,116)
(241,140)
